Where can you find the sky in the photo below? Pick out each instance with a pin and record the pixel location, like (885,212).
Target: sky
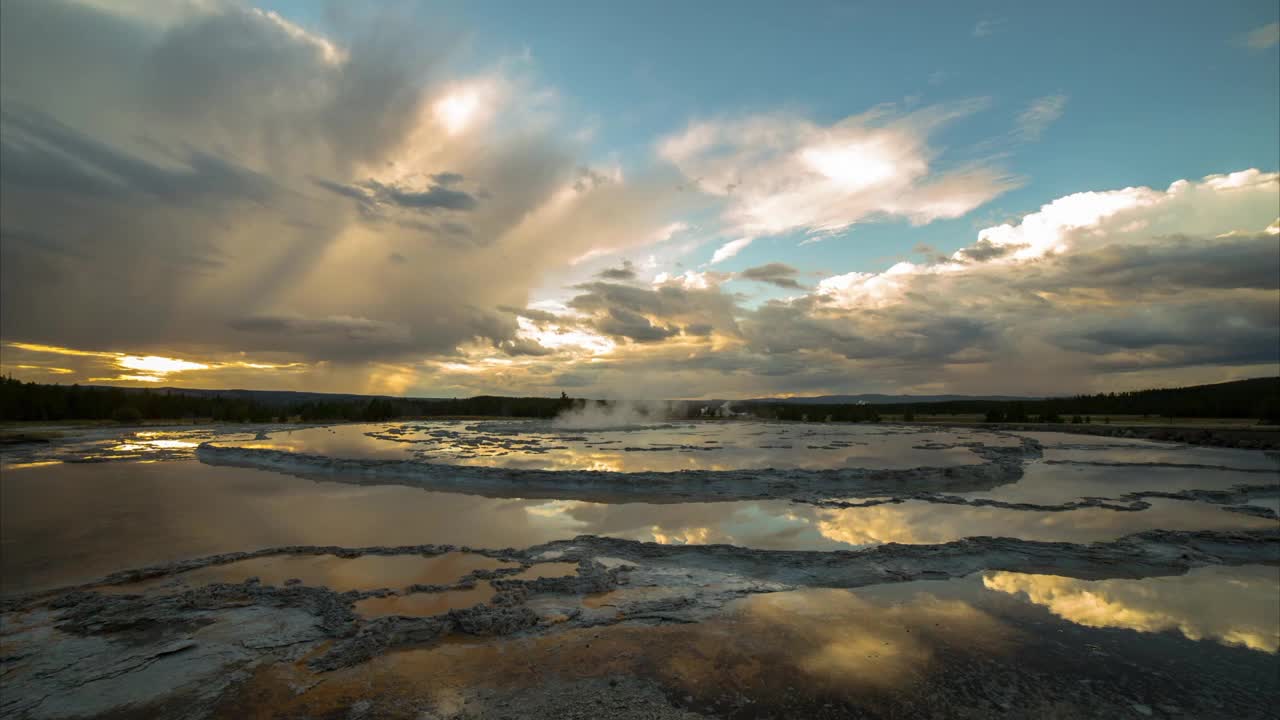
(640,200)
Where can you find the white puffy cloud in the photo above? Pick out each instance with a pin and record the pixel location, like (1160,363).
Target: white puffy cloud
(1096,290)
(730,249)
(215,185)
(780,173)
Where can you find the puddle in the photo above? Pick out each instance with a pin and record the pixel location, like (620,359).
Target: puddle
(97,444)
(74,523)
(968,647)
(425,604)
(367,572)
(1230,606)
(1053,483)
(1224,458)
(629,595)
(918,523)
(547,570)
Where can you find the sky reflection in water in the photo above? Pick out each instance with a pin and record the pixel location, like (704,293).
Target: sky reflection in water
(69,522)
(709,446)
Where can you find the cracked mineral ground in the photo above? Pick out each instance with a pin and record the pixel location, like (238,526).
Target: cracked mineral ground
(737,569)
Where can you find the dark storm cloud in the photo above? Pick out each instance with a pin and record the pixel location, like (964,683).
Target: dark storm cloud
(347,329)
(372,194)
(902,333)
(1246,261)
(633,326)
(434,197)
(624,272)
(985,250)
(538,316)
(775,273)
(39,153)
(1246,332)
(518,347)
(168,185)
(667,306)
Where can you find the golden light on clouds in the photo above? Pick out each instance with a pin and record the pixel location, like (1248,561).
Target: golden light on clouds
(457,109)
(158,365)
(133,368)
(845,637)
(557,337)
(55,350)
(129,378)
(47,369)
(1234,606)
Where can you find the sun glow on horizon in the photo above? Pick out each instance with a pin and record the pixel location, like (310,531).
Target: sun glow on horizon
(158,365)
(134,368)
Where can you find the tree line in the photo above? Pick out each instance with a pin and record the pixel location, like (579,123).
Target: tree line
(36,402)
(28,401)
(1258,398)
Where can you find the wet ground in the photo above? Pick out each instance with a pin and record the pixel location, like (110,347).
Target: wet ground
(658,448)
(729,569)
(992,644)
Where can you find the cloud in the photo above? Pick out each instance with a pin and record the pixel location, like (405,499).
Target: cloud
(216,179)
(624,272)
(1192,604)
(39,152)
(1261,38)
(131,367)
(1095,290)
(371,194)
(652,314)
(622,323)
(730,249)
(781,173)
(988,27)
(775,273)
(1039,115)
(216,185)
(350,329)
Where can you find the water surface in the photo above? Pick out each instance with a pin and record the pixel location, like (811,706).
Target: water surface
(68,523)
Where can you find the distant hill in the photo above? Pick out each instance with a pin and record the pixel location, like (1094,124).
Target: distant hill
(280,397)
(876,399)
(1255,398)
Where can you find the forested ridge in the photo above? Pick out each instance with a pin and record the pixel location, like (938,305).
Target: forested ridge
(1258,398)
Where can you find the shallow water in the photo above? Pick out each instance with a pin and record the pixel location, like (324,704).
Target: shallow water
(424,604)
(689,632)
(701,446)
(98,444)
(68,523)
(1051,483)
(546,570)
(1197,645)
(1234,606)
(367,572)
